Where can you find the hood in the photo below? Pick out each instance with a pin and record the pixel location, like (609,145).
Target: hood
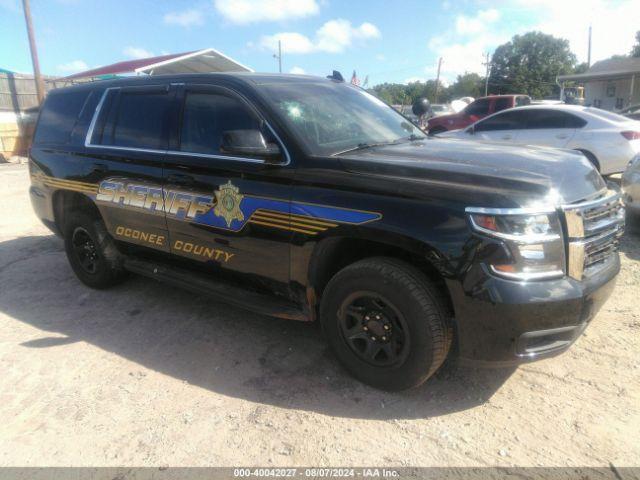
(485,174)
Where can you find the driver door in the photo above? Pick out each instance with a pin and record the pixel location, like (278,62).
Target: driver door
(224,210)
(504,127)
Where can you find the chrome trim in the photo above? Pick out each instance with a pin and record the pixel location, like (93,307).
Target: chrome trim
(220,157)
(96,114)
(525,277)
(94,119)
(594,228)
(512,211)
(606,195)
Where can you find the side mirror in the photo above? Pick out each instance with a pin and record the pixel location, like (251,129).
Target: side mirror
(250,143)
(471,130)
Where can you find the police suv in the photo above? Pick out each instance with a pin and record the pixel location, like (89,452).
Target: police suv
(309,199)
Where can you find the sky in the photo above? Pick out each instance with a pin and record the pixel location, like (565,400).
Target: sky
(388,41)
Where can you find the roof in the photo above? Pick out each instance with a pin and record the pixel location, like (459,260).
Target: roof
(607,69)
(200,61)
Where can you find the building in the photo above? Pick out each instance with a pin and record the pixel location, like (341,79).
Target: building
(201,61)
(19,101)
(611,84)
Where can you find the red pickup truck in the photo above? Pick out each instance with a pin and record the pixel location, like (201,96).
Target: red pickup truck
(479,108)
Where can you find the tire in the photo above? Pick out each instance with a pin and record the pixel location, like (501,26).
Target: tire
(91,252)
(436,130)
(409,323)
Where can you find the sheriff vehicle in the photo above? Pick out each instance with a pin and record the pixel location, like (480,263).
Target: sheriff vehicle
(309,199)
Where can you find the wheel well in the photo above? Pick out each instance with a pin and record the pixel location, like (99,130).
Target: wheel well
(334,254)
(65,203)
(591,157)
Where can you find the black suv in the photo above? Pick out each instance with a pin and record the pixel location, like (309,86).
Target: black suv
(307,198)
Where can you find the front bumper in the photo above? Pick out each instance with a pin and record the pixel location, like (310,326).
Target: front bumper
(503,323)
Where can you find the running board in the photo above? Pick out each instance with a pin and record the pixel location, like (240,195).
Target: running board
(200,283)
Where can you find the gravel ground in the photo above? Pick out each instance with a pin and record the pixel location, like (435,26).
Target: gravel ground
(144,374)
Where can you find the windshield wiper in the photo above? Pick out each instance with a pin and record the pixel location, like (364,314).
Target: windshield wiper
(364,146)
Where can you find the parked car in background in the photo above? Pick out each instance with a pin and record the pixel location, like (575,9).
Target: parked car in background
(631,185)
(473,112)
(439,109)
(632,112)
(608,140)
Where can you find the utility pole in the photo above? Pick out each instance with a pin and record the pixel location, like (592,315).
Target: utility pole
(34,51)
(486,75)
(435,100)
(279,56)
(589,49)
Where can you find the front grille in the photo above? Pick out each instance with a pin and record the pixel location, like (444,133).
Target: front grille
(594,229)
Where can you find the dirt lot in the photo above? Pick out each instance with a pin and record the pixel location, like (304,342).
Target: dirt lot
(147,375)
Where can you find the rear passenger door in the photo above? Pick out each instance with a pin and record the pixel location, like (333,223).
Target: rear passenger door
(551,128)
(126,144)
(223,210)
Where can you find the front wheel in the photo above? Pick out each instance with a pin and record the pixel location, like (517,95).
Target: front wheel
(386,323)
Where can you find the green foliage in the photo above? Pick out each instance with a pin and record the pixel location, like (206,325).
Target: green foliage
(467,85)
(529,64)
(635,50)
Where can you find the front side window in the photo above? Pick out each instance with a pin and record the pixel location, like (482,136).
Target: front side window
(329,118)
(207,116)
(479,107)
(141,120)
(511,120)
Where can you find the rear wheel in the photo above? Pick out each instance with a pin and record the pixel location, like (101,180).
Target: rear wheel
(91,251)
(386,323)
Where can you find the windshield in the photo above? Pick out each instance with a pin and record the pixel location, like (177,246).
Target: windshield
(333,117)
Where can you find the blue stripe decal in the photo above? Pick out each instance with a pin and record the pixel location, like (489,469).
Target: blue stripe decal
(320,212)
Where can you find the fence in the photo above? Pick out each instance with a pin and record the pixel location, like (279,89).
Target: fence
(18,110)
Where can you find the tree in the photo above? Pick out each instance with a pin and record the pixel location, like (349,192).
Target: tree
(635,50)
(467,85)
(529,64)
(401,94)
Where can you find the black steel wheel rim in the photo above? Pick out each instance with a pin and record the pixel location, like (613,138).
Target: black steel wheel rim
(374,329)
(85,250)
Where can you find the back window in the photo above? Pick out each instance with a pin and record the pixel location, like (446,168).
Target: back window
(58,117)
(141,120)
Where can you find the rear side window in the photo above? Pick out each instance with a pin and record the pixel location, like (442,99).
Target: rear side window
(141,120)
(511,120)
(539,119)
(59,115)
(206,116)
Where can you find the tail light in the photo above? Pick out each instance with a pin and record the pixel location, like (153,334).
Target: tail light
(631,135)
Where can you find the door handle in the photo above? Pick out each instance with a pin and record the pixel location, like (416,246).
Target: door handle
(562,136)
(506,137)
(180,179)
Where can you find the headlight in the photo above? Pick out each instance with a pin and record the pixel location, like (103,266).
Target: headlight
(533,242)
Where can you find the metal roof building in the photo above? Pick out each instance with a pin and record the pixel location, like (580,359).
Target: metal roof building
(200,61)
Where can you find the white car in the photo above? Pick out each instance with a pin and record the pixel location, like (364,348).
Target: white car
(607,139)
(631,185)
